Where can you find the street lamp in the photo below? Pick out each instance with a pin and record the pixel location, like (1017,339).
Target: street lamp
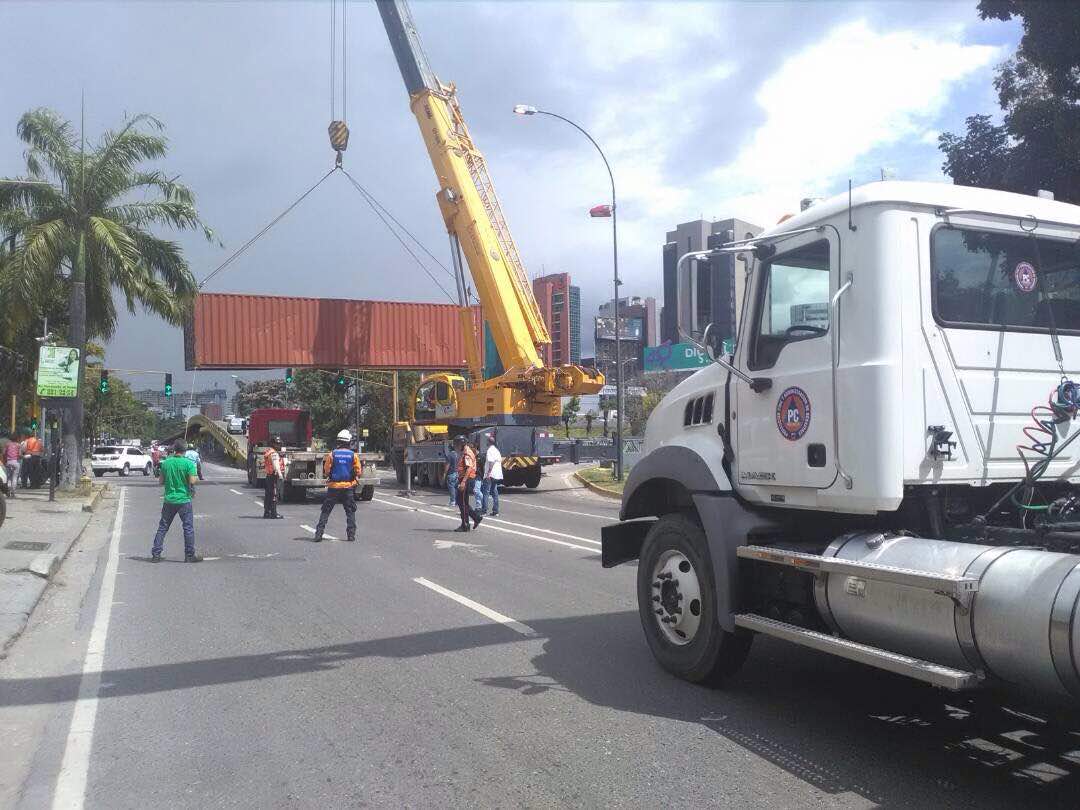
(525,109)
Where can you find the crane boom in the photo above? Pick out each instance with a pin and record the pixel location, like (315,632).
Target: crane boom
(468,202)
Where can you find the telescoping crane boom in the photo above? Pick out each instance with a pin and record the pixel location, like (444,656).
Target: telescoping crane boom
(528,392)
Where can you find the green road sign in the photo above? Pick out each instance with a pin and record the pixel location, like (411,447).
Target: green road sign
(674,357)
(58,372)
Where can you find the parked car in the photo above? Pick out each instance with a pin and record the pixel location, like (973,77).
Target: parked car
(122,460)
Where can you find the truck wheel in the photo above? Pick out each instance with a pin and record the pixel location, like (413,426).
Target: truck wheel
(532,477)
(367,492)
(676,583)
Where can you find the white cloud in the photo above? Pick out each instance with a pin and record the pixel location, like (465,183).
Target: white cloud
(855,91)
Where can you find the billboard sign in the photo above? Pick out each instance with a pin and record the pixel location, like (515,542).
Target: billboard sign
(58,372)
(632,328)
(674,357)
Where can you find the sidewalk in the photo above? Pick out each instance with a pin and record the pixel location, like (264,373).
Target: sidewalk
(34,540)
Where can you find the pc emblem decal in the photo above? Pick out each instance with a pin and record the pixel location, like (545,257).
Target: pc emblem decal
(1025,277)
(793,414)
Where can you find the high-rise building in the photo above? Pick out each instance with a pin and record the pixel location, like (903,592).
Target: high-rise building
(560,306)
(639,328)
(712,290)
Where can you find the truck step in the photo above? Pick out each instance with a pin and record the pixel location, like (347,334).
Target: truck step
(931,673)
(960,587)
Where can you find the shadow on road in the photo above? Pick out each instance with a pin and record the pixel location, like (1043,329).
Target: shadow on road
(837,726)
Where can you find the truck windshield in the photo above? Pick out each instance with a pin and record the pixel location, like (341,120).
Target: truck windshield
(289,430)
(1005,281)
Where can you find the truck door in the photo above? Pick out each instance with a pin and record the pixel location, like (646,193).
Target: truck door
(785,434)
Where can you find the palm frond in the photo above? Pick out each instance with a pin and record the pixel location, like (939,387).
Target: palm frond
(51,140)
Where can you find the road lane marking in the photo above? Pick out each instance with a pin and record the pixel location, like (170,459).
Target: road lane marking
(236,492)
(489,519)
(516,502)
(496,528)
(70,791)
(305,527)
(495,616)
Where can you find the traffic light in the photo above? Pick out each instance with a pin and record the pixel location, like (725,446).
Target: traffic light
(288,376)
(341,381)
(33,423)
(168,385)
(103,386)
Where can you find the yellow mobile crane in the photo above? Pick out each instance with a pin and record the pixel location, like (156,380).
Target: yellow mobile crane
(527,395)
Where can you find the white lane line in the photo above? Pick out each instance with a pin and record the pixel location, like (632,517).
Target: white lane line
(517,502)
(488,519)
(236,492)
(307,528)
(495,616)
(496,528)
(70,792)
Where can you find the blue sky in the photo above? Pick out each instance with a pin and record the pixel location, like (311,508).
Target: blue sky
(715,110)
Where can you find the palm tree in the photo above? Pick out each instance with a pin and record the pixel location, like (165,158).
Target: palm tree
(81,218)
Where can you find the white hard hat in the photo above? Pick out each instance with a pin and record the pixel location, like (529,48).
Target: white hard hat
(344,436)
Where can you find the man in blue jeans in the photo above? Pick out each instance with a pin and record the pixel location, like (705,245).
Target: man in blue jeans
(178,475)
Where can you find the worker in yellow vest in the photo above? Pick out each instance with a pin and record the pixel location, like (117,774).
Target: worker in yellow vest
(274,467)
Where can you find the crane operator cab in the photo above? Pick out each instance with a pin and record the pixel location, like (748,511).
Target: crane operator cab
(435,399)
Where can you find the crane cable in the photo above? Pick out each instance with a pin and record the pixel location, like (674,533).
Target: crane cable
(339,129)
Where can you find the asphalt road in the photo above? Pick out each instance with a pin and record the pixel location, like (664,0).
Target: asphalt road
(419,667)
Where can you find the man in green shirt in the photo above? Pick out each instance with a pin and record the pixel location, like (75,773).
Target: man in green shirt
(178,478)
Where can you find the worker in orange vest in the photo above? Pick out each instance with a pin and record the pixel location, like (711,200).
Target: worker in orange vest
(274,467)
(31,463)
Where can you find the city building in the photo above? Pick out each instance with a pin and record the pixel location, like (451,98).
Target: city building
(639,327)
(560,307)
(710,291)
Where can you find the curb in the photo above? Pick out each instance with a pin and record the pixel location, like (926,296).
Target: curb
(94,498)
(599,490)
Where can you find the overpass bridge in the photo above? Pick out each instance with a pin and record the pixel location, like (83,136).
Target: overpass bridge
(199,428)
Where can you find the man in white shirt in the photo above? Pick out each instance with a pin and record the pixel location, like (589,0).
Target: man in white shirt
(493,476)
(193,455)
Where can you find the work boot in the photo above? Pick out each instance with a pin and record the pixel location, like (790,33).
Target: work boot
(192,558)
(351,538)
(318,539)
(464,527)
(477,517)
(155,558)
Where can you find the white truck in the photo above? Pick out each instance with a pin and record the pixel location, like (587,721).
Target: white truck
(893,480)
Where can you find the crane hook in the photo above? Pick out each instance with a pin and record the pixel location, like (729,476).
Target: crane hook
(339,138)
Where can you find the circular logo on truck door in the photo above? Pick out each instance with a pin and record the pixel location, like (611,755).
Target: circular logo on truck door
(1025,277)
(793,414)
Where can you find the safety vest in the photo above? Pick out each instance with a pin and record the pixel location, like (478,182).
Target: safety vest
(272,462)
(341,465)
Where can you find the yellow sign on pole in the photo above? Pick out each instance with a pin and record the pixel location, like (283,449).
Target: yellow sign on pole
(58,372)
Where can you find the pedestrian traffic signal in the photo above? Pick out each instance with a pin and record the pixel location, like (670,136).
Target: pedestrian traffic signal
(103,386)
(33,423)
(341,381)
(168,385)
(288,376)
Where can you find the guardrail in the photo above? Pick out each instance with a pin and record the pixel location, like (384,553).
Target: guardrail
(587,450)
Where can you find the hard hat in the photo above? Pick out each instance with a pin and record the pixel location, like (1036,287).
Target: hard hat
(344,436)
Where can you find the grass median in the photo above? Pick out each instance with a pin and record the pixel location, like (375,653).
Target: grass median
(602,478)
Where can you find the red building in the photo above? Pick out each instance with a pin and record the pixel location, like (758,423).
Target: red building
(560,306)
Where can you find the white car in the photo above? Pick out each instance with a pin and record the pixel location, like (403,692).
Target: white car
(121,460)
(236,424)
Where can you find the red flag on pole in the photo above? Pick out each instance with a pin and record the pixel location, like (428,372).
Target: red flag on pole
(600,211)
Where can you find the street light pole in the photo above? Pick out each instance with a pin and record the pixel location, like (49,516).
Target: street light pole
(523,109)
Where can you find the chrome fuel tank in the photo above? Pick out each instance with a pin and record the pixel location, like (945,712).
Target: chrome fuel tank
(1019,627)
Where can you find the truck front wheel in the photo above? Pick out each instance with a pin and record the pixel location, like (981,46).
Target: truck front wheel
(677,605)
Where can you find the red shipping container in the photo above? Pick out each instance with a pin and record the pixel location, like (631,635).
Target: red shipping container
(263,331)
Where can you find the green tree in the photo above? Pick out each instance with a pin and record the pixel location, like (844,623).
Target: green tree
(570,411)
(1037,144)
(258,394)
(319,393)
(84,212)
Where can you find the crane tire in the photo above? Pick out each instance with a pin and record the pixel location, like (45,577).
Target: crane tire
(710,655)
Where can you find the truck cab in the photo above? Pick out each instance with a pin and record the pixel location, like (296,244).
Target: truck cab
(904,368)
